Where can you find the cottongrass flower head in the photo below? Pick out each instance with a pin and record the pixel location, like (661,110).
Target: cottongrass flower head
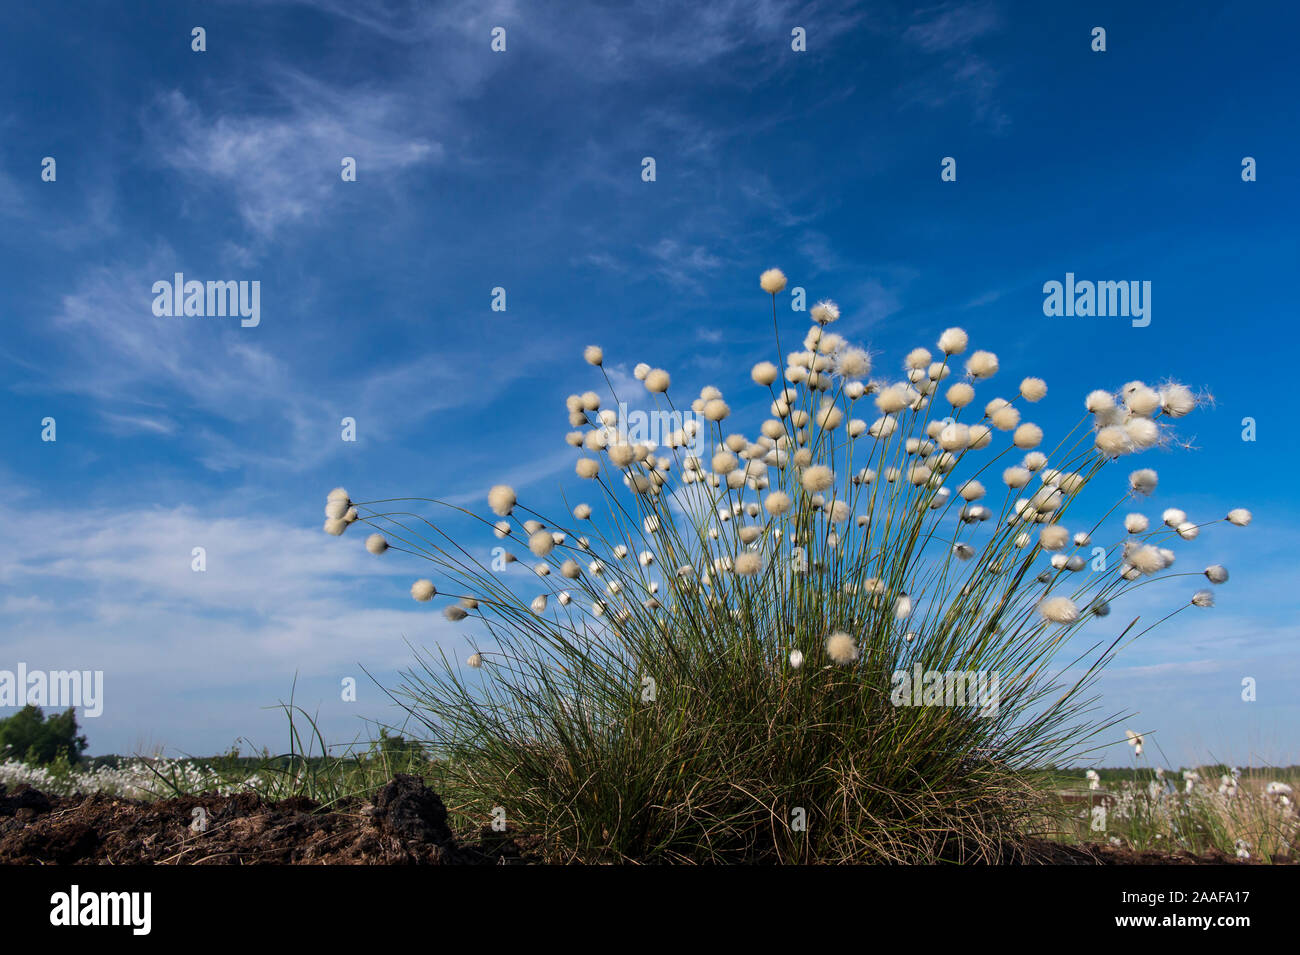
(1059,610)
(772,281)
(953,341)
(502,499)
(764,373)
(817,478)
(824,312)
(657,381)
(1143,481)
(1033,389)
(841,648)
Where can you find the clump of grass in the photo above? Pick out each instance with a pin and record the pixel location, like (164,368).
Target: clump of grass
(709,662)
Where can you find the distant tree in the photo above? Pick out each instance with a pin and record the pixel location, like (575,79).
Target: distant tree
(30,736)
(399,750)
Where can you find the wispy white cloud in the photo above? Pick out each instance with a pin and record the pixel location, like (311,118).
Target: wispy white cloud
(953,25)
(283,166)
(965,77)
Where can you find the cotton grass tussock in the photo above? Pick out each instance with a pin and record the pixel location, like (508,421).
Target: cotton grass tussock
(782,568)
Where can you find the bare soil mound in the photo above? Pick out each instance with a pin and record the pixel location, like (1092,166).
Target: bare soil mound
(406,824)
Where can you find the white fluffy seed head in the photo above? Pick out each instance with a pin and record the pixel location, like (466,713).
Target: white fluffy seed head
(892,400)
(960,395)
(541,543)
(1099,402)
(593,354)
(1203,598)
(423,590)
(1027,436)
(747,563)
(954,437)
(917,359)
(502,499)
(1113,441)
(1016,477)
(1053,537)
(1142,432)
(1142,400)
(982,364)
(1059,610)
(772,281)
(764,373)
(1177,400)
(953,341)
(1136,523)
(1146,559)
(1239,516)
(841,648)
(587,468)
(853,363)
(657,381)
(376,544)
(817,478)
(824,312)
(829,417)
(1143,481)
(724,463)
(1217,573)
(777,503)
(1033,389)
(1005,418)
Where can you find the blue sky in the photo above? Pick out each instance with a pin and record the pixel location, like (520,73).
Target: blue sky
(521,170)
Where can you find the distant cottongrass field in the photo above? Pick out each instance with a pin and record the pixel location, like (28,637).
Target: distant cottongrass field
(700,661)
(134,779)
